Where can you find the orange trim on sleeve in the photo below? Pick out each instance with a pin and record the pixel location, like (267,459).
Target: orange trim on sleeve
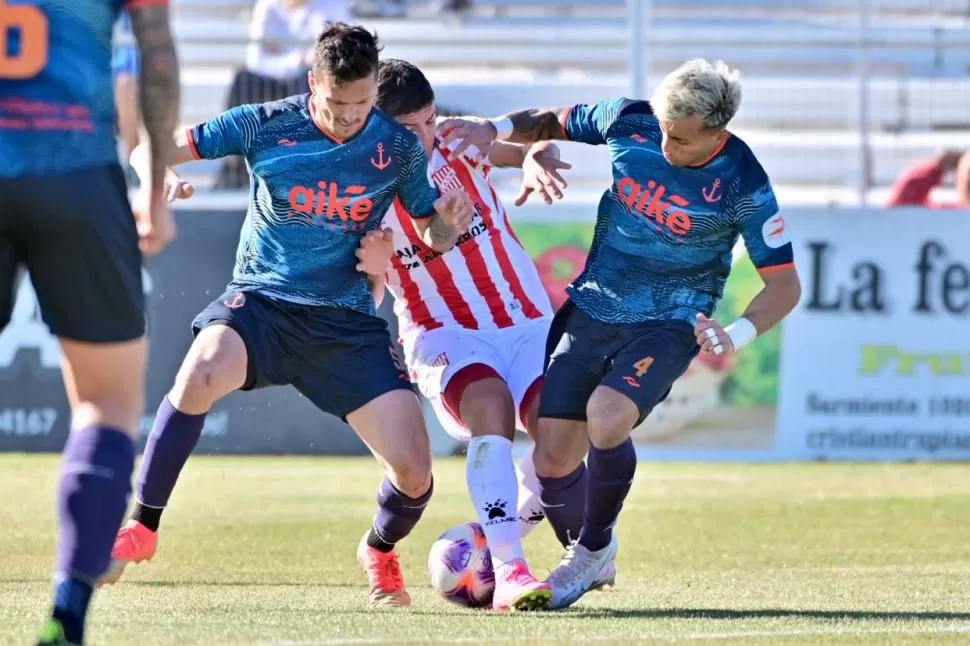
(190,137)
(773,268)
(562,123)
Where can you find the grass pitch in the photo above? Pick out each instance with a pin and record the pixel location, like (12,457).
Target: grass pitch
(261,551)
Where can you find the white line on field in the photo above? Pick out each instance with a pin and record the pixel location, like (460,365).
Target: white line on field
(671,637)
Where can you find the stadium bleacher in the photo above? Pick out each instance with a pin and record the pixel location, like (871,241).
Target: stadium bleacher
(800,110)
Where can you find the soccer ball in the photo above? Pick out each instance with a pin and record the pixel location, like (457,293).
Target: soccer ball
(460,566)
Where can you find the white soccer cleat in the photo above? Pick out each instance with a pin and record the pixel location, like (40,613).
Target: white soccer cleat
(606,579)
(581,571)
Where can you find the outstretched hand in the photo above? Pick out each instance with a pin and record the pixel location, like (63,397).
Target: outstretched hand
(541,175)
(460,133)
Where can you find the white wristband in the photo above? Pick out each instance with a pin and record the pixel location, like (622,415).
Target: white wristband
(742,332)
(503,127)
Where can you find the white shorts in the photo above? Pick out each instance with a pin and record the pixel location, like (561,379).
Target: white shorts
(516,353)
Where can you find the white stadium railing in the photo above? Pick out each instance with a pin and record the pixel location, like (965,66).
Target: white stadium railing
(807,63)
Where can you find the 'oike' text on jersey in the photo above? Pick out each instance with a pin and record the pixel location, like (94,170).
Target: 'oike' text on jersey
(664,234)
(56,93)
(313,197)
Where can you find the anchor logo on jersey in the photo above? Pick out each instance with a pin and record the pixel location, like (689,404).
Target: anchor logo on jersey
(713,195)
(380,163)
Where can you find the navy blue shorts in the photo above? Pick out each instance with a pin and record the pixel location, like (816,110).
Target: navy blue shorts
(340,359)
(75,234)
(639,360)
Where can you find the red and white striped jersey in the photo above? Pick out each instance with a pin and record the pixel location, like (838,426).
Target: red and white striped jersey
(486,282)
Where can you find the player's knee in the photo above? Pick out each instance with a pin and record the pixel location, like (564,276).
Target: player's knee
(549,462)
(410,471)
(408,459)
(487,408)
(559,447)
(610,417)
(215,366)
(201,383)
(108,382)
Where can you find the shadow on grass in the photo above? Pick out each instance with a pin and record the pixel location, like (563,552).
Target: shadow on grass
(726,614)
(215,584)
(730,614)
(581,613)
(244,584)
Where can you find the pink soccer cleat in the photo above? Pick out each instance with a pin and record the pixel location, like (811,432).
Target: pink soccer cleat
(384,576)
(135,543)
(517,589)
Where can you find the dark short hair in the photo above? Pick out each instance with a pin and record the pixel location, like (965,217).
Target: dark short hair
(402,88)
(345,52)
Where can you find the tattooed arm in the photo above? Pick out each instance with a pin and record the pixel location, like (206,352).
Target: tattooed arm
(523,127)
(438,219)
(452,215)
(158,84)
(537,125)
(439,234)
(584,123)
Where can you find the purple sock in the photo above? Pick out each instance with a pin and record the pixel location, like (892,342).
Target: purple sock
(563,500)
(92,498)
(396,515)
(610,477)
(171,442)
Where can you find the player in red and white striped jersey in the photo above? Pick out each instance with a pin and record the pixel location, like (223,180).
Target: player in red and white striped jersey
(473,322)
(491,267)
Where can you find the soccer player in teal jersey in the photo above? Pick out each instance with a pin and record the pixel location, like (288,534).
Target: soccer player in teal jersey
(324,168)
(684,189)
(65,218)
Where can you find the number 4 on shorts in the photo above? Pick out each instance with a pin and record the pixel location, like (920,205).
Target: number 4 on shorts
(643,365)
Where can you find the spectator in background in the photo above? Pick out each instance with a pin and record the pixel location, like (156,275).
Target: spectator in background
(282,34)
(914,186)
(281,38)
(125,63)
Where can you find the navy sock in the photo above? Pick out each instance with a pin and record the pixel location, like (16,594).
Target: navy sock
(92,498)
(563,501)
(71,599)
(171,442)
(397,514)
(610,478)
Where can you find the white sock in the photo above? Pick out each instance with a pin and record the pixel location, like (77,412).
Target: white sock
(530,511)
(494,490)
